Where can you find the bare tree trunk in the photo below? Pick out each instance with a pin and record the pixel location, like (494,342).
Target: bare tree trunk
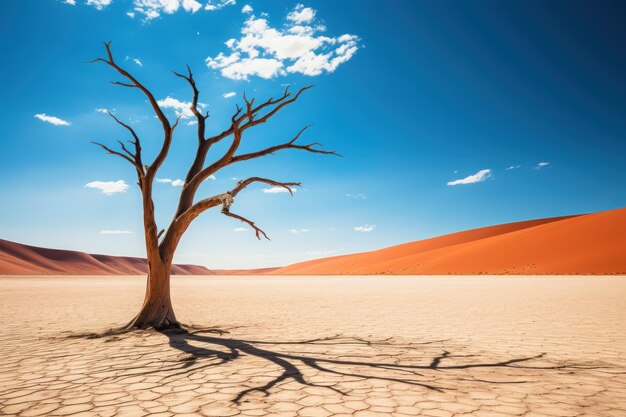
(157,310)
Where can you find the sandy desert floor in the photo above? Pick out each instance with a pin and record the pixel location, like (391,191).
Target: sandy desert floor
(341,346)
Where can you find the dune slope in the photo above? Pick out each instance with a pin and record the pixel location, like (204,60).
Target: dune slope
(18,259)
(586,244)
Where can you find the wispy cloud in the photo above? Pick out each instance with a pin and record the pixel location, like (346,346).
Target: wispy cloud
(52,120)
(70,2)
(109,187)
(276,190)
(240,229)
(512,167)
(105,110)
(357,196)
(298,231)
(541,165)
(229,95)
(480,176)
(365,228)
(173,183)
(153,9)
(138,62)
(267,52)
(247,9)
(116,232)
(218,4)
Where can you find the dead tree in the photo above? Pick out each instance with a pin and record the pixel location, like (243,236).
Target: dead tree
(157,311)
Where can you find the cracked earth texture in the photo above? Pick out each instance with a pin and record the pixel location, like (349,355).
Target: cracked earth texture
(318,346)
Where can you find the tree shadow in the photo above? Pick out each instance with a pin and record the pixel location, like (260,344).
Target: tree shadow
(210,348)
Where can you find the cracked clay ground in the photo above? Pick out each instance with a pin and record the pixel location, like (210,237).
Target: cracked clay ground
(327,346)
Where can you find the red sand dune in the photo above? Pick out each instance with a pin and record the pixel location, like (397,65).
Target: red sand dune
(18,259)
(586,244)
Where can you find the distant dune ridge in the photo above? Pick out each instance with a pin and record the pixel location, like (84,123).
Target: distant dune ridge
(585,244)
(593,244)
(18,259)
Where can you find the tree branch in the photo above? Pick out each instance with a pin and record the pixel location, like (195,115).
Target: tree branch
(167,128)
(258,232)
(244,183)
(136,142)
(181,222)
(287,145)
(280,103)
(123,84)
(194,102)
(112,152)
(253,112)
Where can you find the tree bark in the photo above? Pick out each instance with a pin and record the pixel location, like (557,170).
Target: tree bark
(157,311)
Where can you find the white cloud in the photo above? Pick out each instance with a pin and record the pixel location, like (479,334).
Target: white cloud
(104,110)
(240,229)
(52,120)
(109,187)
(512,167)
(173,183)
(480,176)
(246,9)
(298,231)
(191,6)
(98,4)
(266,52)
(71,2)
(192,122)
(219,4)
(301,14)
(275,190)
(115,232)
(181,108)
(152,9)
(229,95)
(542,165)
(365,228)
(130,14)
(357,196)
(138,62)
(212,177)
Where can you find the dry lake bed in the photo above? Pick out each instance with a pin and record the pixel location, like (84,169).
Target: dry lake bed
(318,346)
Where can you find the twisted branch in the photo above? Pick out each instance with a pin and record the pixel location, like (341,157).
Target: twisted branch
(167,128)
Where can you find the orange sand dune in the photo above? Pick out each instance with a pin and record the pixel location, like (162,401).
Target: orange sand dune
(586,244)
(18,259)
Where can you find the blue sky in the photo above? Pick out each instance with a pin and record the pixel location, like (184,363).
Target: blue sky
(429,102)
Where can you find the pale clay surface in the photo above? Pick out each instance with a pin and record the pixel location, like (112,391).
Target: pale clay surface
(328,346)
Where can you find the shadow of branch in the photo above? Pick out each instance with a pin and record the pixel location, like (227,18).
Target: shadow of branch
(292,366)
